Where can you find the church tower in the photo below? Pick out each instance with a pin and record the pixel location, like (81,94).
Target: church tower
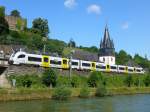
(107,51)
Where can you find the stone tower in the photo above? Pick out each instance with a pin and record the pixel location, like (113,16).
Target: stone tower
(107,51)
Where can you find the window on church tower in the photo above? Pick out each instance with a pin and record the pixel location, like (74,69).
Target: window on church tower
(111,59)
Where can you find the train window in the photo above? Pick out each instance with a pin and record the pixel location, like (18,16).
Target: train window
(86,64)
(113,67)
(34,59)
(45,59)
(64,61)
(100,67)
(130,70)
(121,68)
(55,62)
(21,56)
(93,64)
(138,70)
(74,63)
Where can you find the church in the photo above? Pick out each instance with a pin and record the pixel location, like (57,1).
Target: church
(107,51)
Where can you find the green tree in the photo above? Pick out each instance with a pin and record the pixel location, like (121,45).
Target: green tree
(41,25)
(49,78)
(147,80)
(15,13)
(94,79)
(129,80)
(72,43)
(122,57)
(2,11)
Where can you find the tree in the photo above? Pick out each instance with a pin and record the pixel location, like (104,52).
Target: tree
(122,57)
(2,11)
(4,27)
(15,13)
(129,80)
(41,26)
(49,78)
(72,43)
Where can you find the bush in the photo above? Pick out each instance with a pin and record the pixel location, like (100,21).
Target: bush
(94,79)
(84,92)
(101,91)
(49,78)
(63,81)
(75,81)
(61,93)
(129,80)
(147,80)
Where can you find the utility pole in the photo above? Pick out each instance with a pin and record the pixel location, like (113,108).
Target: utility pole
(70,63)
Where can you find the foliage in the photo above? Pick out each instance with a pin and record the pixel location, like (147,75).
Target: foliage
(94,79)
(63,81)
(25,80)
(2,11)
(84,92)
(72,43)
(4,27)
(147,80)
(61,93)
(129,80)
(49,78)
(15,13)
(75,81)
(122,57)
(92,49)
(41,25)
(101,90)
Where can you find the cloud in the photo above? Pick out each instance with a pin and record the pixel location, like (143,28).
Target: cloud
(125,25)
(96,9)
(70,3)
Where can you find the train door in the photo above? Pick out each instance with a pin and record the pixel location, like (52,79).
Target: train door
(65,63)
(93,67)
(126,69)
(45,61)
(107,68)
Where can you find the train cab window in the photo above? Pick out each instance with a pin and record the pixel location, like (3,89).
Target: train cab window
(21,56)
(34,59)
(93,64)
(45,59)
(64,61)
(75,63)
(86,64)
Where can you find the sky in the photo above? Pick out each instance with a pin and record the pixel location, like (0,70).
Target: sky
(85,20)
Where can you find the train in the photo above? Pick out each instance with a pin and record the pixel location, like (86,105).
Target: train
(22,57)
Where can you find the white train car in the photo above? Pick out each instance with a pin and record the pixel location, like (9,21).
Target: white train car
(122,69)
(75,64)
(100,67)
(113,68)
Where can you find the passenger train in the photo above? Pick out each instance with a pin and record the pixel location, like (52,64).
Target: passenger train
(21,57)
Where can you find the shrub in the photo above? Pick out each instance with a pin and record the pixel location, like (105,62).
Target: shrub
(75,81)
(84,92)
(61,93)
(63,81)
(147,80)
(94,78)
(49,78)
(101,91)
(129,80)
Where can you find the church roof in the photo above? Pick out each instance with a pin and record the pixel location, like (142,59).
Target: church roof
(106,45)
(106,42)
